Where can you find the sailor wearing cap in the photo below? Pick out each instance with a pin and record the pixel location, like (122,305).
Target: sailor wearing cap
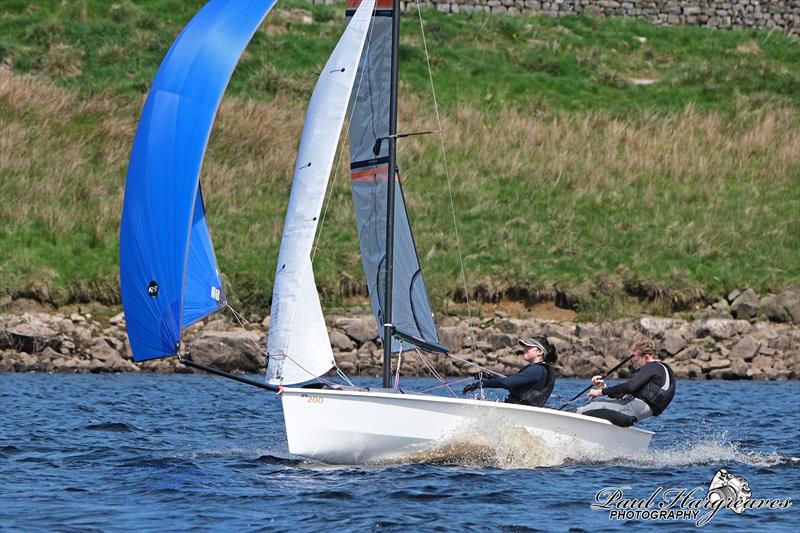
(534,383)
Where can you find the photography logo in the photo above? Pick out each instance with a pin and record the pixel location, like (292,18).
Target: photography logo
(726,491)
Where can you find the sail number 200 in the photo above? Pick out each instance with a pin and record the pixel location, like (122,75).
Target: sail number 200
(315,399)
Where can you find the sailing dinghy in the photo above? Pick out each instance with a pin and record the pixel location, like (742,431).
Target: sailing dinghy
(169,275)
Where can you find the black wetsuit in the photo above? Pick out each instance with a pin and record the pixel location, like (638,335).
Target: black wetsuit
(647,384)
(530,386)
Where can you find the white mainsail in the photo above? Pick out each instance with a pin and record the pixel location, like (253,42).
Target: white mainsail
(299,347)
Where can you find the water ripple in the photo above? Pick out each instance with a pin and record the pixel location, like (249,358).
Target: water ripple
(154,453)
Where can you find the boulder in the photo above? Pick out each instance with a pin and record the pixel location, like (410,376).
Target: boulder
(453,337)
(761,362)
(341,342)
(7,359)
(739,367)
(511,326)
(350,357)
(783,307)
(107,359)
(681,370)
(610,362)
(745,349)
(689,353)
(656,327)
(673,343)
(561,345)
(694,371)
(361,330)
(30,336)
(584,331)
(722,306)
(745,306)
(24,362)
(501,340)
(721,328)
(716,364)
(68,365)
(725,373)
(566,372)
(228,350)
(510,360)
(554,331)
(216,324)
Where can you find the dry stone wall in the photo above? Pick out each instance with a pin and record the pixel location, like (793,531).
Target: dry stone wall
(780,15)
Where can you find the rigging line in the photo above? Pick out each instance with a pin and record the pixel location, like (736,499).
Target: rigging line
(341,374)
(434,372)
(439,377)
(444,161)
(479,367)
(397,372)
(320,378)
(428,366)
(236,313)
(445,384)
(241,324)
(338,162)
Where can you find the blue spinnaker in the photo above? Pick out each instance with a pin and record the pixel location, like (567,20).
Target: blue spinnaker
(168,272)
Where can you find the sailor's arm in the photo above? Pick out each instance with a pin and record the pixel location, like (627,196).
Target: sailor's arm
(532,374)
(629,387)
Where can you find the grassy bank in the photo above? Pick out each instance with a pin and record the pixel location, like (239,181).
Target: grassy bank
(605,156)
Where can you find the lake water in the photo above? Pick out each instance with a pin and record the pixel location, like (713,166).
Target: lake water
(192,452)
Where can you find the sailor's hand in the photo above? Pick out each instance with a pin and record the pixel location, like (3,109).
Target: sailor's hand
(471,387)
(594,393)
(597,381)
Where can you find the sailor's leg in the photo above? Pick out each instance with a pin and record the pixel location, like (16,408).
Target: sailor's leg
(639,409)
(623,412)
(605,403)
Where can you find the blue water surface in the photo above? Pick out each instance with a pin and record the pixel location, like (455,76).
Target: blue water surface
(192,452)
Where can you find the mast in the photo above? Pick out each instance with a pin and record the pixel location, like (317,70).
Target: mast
(388,328)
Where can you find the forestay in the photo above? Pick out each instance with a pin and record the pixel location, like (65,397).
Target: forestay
(369,163)
(299,347)
(168,272)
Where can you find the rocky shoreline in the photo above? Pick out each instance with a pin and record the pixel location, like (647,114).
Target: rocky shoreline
(713,346)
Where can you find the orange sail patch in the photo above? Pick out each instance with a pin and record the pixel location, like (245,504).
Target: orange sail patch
(377,173)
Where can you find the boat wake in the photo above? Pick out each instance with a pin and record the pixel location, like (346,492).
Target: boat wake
(706,452)
(516,448)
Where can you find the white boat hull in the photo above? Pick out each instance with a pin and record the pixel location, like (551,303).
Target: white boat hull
(362,427)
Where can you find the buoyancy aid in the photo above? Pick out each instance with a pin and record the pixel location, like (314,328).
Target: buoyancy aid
(658,398)
(531,395)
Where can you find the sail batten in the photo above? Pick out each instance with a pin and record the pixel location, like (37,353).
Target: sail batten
(169,277)
(298,346)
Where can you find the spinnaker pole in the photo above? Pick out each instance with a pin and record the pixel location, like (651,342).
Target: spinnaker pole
(388,327)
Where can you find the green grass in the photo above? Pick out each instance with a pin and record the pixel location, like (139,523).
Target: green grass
(566,175)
